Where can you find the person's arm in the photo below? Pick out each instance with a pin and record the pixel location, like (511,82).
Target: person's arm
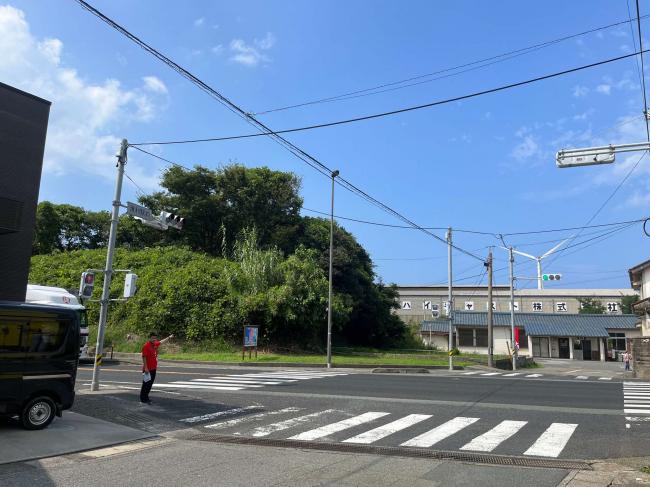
(144,363)
(166,339)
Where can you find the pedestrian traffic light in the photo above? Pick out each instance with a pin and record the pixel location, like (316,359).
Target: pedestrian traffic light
(551,277)
(435,310)
(87,284)
(172,220)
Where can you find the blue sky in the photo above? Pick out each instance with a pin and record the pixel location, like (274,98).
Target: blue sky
(483,164)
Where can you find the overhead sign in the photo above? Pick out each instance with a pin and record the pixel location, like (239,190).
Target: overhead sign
(584,158)
(138,211)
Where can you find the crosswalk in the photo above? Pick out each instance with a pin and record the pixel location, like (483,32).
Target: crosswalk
(636,397)
(469,434)
(237,382)
(526,375)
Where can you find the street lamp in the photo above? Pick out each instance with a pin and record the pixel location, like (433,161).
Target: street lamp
(329,299)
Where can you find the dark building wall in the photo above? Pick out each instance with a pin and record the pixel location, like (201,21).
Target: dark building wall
(23,125)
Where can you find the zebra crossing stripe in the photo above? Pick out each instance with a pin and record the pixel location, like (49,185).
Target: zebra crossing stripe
(512,374)
(199,386)
(441,432)
(387,429)
(493,438)
(244,419)
(289,423)
(582,377)
(627,410)
(534,375)
(213,383)
(239,381)
(604,378)
(492,373)
(552,441)
(339,426)
(218,414)
(470,373)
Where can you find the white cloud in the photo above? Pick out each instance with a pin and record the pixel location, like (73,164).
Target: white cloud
(84,114)
(199,22)
(526,149)
(605,89)
(154,84)
(251,55)
(218,49)
(580,91)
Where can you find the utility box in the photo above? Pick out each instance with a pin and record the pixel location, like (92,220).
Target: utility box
(130,286)
(23,125)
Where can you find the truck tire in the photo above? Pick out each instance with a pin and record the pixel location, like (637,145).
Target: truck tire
(38,413)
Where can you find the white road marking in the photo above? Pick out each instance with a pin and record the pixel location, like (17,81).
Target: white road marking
(218,414)
(492,373)
(387,429)
(470,373)
(604,378)
(552,441)
(534,375)
(512,374)
(636,411)
(582,377)
(441,432)
(226,378)
(209,382)
(340,426)
(289,423)
(244,419)
(490,440)
(568,372)
(215,388)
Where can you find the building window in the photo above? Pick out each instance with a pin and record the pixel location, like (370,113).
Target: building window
(465,337)
(481,337)
(523,338)
(617,341)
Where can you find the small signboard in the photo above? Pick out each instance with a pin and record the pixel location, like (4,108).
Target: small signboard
(250,340)
(138,211)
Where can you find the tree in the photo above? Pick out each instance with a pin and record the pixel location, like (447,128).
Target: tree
(591,306)
(627,302)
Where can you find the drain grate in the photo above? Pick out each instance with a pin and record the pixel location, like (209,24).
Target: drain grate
(393,451)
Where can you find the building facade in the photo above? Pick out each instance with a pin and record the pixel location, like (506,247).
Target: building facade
(416,303)
(640,281)
(544,335)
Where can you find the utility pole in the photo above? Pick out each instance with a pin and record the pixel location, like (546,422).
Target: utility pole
(329,300)
(450,301)
(108,271)
(488,264)
(512,310)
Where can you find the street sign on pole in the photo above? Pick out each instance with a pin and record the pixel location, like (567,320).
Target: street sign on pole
(138,211)
(584,159)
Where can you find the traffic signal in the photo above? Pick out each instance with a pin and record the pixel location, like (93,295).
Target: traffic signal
(87,284)
(551,277)
(130,285)
(435,310)
(172,220)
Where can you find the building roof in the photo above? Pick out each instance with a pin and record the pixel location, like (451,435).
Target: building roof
(636,274)
(551,324)
(435,326)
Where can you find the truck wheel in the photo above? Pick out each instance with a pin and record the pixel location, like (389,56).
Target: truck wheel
(38,413)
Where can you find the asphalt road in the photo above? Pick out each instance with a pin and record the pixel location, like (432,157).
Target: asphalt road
(536,417)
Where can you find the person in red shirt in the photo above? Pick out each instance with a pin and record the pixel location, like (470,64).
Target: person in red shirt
(150,364)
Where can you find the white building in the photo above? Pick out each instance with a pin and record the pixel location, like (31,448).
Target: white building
(640,280)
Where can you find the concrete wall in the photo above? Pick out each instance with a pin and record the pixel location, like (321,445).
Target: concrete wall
(641,358)
(23,125)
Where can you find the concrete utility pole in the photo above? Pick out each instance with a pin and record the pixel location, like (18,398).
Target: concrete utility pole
(489,313)
(450,301)
(512,311)
(108,271)
(329,299)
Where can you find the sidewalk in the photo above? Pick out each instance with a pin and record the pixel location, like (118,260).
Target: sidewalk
(610,473)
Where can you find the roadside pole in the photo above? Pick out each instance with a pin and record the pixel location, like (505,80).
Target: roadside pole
(489,312)
(512,311)
(108,271)
(329,299)
(450,305)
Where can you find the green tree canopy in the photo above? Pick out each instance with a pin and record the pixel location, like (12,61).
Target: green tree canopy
(591,306)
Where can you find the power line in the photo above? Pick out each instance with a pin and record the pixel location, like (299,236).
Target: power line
(159,157)
(392,86)
(397,111)
(645,101)
(138,188)
(264,129)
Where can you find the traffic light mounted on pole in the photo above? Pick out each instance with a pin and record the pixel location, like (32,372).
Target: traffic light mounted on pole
(87,284)
(172,220)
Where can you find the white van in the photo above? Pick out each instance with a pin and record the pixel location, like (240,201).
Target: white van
(57,296)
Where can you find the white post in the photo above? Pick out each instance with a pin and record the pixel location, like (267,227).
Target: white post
(530,346)
(571,348)
(329,299)
(540,282)
(450,303)
(108,271)
(549,348)
(602,349)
